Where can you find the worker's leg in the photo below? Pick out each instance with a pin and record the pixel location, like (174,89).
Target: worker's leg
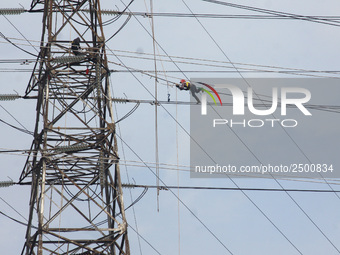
(195,96)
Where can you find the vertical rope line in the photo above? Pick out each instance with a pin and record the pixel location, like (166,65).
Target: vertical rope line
(178,208)
(156,102)
(159,55)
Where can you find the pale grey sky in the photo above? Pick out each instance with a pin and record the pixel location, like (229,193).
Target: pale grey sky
(230,216)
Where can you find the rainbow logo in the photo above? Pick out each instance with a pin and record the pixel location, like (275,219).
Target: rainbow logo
(209,93)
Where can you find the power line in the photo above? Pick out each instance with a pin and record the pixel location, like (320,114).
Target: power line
(15,45)
(230,188)
(19,32)
(248,148)
(278,13)
(295,202)
(262,212)
(300,72)
(285,70)
(219,16)
(328,108)
(17,221)
(204,225)
(13,208)
(128,177)
(25,129)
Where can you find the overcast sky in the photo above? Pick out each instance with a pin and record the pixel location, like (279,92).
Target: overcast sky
(244,223)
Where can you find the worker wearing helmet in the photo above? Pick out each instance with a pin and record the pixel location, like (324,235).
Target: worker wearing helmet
(75,47)
(186,85)
(183,85)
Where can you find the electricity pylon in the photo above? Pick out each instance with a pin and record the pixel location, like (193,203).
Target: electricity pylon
(76,202)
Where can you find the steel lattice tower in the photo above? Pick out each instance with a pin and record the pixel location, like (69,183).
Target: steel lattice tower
(76,202)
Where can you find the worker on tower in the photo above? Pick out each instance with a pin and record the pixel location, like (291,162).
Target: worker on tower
(186,85)
(75,47)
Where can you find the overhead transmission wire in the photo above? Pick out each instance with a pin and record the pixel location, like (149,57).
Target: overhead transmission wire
(155,41)
(211,158)
(122,26)
(325,108)
(147,186)
(129,113)
(307,73)
(262,212)
(15,45)
(281,186)
(25,130)
(251,200)
(278,13)
(240,73)
(170,167)
(17,221)
(228,62)
(127,175)
(13,208)
(212,38)
(139,235)
(175,168)
(20,222)
(294,71)
(35,48)
(230,188)
(187,169)
(245,70)
(17,128)
(296,203)
(271,12)
(176,122)
(15,61)
(109,22)
(4,15)
(200,59)
(217,16)
(205,226)
(167,187)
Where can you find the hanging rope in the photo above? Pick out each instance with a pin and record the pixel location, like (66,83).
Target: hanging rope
(177,167)
(156,103)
